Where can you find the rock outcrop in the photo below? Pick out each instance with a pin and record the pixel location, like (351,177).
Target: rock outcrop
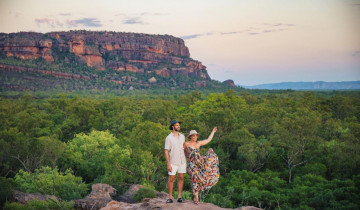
(126,202)
(46,72)
(100,196)
(25,48)
(128,196)
(230,82)
(139,53)
(23,198)
(160,203)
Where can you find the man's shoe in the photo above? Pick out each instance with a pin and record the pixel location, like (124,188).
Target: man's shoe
(180,200)
(169,200)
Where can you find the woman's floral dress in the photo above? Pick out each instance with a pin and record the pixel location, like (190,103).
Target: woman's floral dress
(203,170)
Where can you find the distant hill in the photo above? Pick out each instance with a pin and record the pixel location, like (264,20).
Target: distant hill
(320,85)
(98,60)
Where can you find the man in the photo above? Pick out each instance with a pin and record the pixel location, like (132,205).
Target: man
(175,158)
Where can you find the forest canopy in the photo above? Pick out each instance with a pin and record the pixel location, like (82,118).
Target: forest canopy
(297,150)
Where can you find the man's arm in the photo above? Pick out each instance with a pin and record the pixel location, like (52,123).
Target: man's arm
(168,160)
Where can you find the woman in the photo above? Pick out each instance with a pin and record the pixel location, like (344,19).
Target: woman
(203,170)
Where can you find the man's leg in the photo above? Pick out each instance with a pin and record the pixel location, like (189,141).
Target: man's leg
(171,185)
(180,183)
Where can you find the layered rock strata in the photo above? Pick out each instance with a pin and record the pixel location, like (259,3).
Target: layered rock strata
(140,53)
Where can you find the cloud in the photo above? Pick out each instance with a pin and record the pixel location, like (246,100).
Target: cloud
(17,14)
(64,14)
(192,36)
(134,20)
(137,18)
(269,28)
(130,15)
(49,22)
(232,32)
(357,53)
(53,23)
(151,13)
(90,22)
(277,24)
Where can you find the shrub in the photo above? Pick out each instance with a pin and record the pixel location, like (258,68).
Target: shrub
(144,193)
(40,205)
(7,185)
(50,181)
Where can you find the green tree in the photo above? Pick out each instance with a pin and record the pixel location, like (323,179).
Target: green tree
(49,181)
(296,134)
(85,154)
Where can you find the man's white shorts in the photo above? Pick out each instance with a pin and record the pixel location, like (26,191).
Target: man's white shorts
(178,169)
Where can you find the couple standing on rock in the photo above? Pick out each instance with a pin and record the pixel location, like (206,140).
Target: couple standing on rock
(203,170)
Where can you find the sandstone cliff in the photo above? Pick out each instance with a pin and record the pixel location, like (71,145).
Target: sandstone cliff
(163,55)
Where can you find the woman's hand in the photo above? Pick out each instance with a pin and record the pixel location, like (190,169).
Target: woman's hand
(214,130)
(205,142)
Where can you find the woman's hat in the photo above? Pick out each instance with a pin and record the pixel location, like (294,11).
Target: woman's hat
(192,132)
(172,123)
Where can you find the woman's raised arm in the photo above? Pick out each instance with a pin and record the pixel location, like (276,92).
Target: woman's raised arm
(205,142)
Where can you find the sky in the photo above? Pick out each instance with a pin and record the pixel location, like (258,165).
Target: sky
(249,41)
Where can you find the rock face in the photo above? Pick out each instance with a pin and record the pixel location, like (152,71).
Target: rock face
(100,195)
(139,53)
(46,72)
(230,82)
(25,48)
(23,198)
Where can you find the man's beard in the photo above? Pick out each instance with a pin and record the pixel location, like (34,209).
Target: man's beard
(177,129)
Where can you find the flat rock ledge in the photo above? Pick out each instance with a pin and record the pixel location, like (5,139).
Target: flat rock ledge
(160,203)
(102,197)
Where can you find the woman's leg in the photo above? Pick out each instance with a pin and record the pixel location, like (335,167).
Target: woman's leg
(196,196)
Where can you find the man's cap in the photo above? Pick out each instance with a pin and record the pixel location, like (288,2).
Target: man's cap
(172,123)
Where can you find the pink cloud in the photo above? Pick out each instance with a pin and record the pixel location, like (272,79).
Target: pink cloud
(48,21)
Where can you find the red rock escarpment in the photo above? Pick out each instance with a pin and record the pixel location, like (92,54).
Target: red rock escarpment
(25,48)
(119,51)
(41,71)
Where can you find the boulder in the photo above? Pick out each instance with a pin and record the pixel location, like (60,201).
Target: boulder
(101,194)
(152,80)
(23,198)
(128,196)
